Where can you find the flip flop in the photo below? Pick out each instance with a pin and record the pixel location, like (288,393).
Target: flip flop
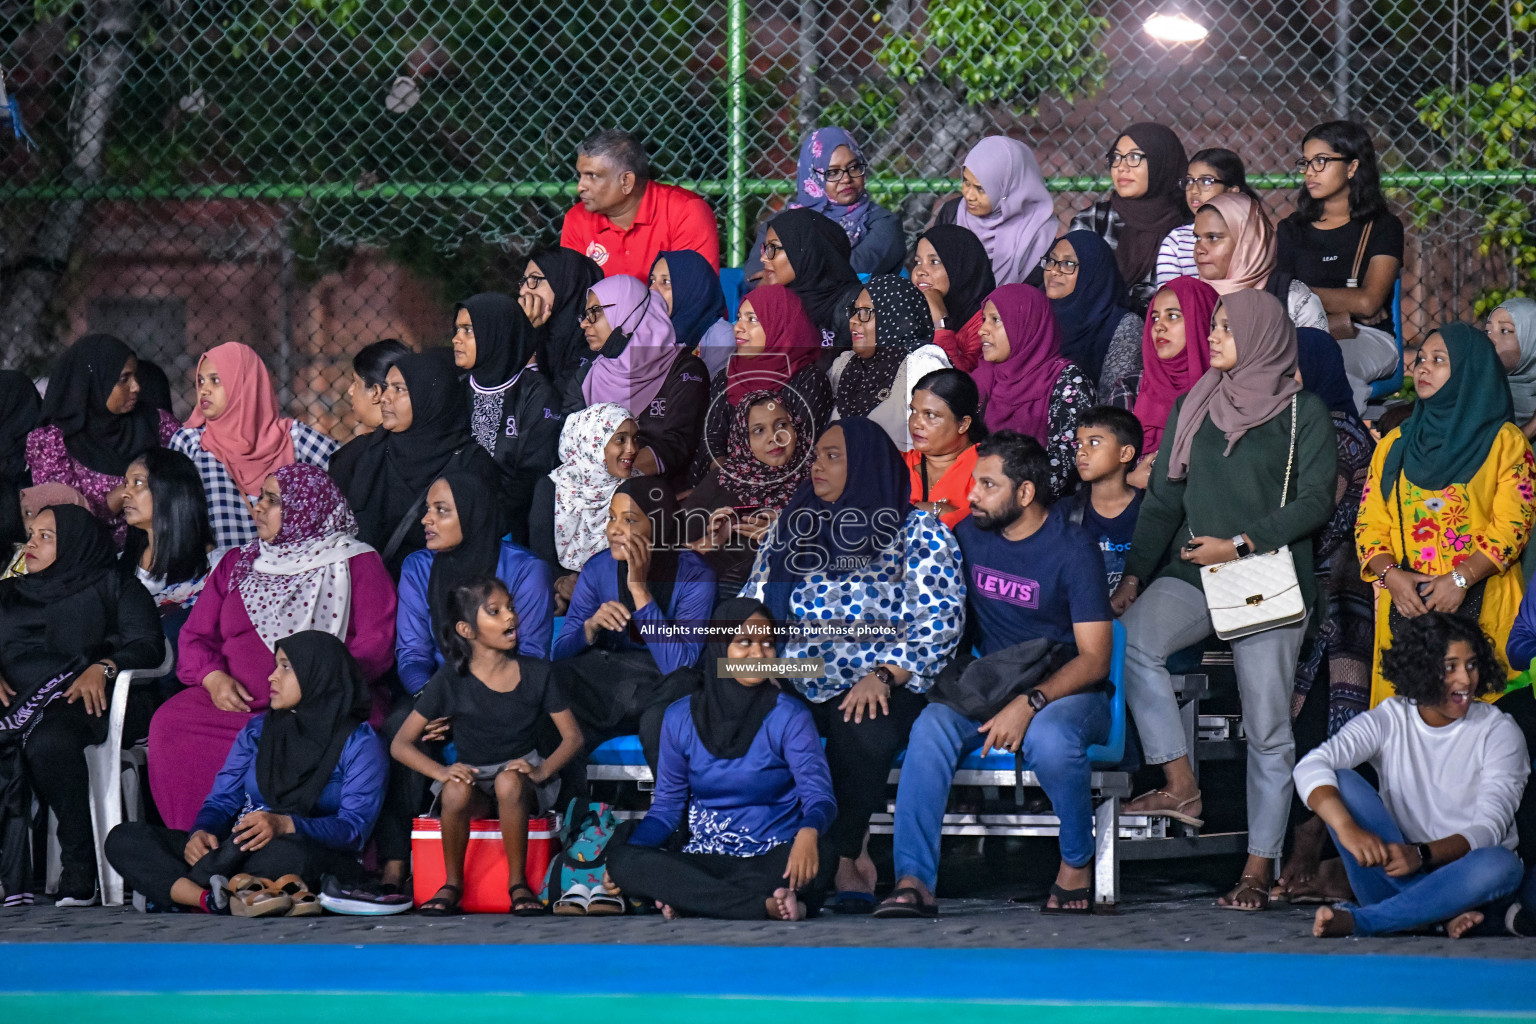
(894,907)
(258,902)
(1175,813)
(852,902)
(1246,882)
(1065,896)
(604,904)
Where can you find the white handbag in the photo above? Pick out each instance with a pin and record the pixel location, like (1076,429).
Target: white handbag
(1249,595)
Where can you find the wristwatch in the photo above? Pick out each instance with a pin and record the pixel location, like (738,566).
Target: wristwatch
(1425,857)
(1243,550)
(885,675)
(109,670)
(1036,698)
(942,324)
(1458,579)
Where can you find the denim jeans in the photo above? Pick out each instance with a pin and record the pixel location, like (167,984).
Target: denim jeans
(1387,904)
(1055,749)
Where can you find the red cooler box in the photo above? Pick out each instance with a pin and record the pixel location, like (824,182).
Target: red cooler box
(485,863)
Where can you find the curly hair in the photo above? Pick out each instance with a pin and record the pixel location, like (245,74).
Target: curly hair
(1413,663)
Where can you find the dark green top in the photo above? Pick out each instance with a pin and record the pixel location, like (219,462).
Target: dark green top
(1225,495)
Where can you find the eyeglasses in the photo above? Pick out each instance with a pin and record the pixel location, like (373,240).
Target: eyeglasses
(833,175)
(531,280)
(1204,181)
(863,314)
(1065,266)
(1135,158)
(1319,164)
(591,313)
(771,250)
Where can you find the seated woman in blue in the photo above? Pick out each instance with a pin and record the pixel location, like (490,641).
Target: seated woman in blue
(296,799)
(849,547)
(614,648)
(742,759)
(464,524)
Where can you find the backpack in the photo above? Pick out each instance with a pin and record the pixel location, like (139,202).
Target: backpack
(584,850)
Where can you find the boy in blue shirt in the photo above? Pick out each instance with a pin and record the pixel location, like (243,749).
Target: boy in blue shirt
(1108,445)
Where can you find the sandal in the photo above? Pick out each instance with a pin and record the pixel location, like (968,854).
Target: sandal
(1175,813)
(255,897)
(1065,896)
(894,906)
(305,903)
(444,906)
(602,903)
(525,906)
(1247,883)
(852,902)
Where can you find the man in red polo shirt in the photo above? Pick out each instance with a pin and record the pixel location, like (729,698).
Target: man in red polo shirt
(623,219)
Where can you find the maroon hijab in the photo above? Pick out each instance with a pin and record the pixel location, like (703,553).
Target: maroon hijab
(1016,393)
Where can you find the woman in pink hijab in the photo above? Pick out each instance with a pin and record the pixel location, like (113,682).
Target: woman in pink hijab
(1026,384)
(237,438)
(639,366)
(1235,249)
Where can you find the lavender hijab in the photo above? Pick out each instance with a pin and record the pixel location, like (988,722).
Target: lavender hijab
(1022,224)
(638,355)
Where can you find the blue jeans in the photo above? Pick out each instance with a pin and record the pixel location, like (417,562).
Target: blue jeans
(1055,748)
(1387,904)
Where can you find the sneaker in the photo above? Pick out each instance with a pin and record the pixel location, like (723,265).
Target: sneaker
(363,901)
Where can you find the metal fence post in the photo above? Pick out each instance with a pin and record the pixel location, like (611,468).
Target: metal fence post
(736,172)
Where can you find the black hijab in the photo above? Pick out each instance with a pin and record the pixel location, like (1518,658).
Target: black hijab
(86,555)
(154,386)
(504,339)
(1147,219)
(562,346)
(482,520)
(78,387)
(19,408)
(659,503)
(969,268)
(390,475)
(726,714)
(300,746)
(818,249)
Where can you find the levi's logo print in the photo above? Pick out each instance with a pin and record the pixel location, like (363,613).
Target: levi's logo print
(1003,587)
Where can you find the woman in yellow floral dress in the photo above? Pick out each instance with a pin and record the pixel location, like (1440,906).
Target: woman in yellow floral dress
(1448,504)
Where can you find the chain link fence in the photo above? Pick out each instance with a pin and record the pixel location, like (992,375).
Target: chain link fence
(308,176)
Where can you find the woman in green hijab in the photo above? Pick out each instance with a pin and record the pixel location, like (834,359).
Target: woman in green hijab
(1448,506)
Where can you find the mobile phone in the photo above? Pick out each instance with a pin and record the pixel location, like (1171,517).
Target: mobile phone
(743,511)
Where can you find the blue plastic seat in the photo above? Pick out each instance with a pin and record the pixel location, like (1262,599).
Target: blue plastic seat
(1103,756)
(1393,384)
(732,281)
(624,751)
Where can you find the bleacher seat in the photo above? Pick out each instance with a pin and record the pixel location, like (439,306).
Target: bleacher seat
(1392,385)
(732,281)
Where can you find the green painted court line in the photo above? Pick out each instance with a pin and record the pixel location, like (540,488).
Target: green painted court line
(432,1008)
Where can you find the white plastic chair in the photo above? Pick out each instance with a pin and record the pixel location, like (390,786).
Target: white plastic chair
(107,762)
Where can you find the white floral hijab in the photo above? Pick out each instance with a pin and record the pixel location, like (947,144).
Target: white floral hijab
(583,485)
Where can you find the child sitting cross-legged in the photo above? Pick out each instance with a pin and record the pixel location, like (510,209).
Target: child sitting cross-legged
(496,701)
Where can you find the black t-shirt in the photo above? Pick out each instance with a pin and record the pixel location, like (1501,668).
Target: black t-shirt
(490,727)
(1324,259)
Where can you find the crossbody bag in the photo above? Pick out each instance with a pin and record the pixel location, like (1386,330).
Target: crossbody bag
(1259,591)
